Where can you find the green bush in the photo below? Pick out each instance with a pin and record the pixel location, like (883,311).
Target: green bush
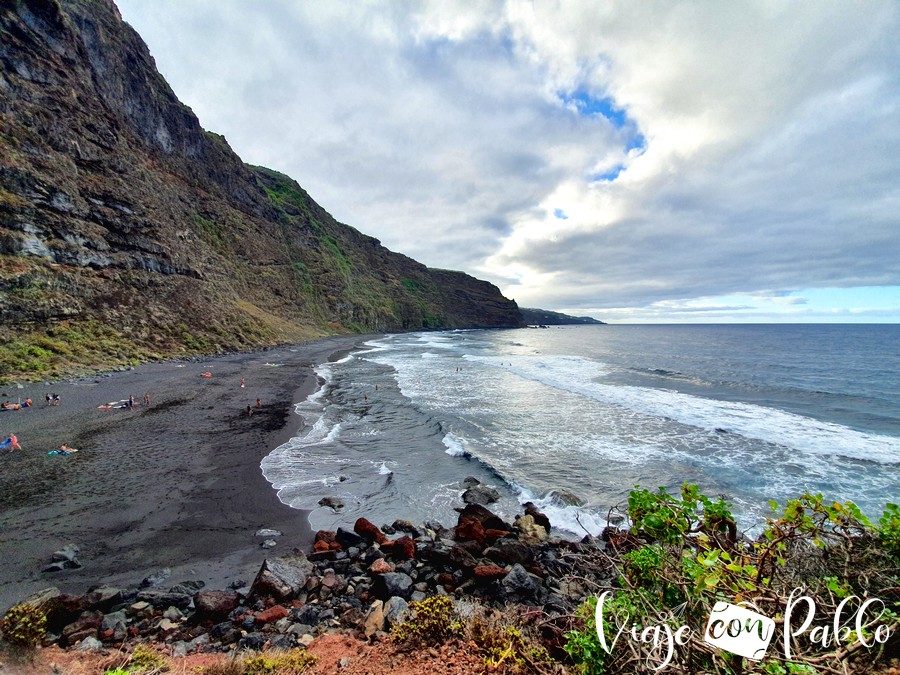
(24,626)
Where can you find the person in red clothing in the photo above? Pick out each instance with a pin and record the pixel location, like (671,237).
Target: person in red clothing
(13,442)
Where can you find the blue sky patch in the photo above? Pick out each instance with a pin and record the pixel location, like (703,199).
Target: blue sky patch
(608,176)
(559,213)
(589,106)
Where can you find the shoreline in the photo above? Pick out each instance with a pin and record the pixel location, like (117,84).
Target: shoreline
(174,485)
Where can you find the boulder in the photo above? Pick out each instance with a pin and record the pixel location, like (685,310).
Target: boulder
(403,548)
(510,552)
(395,610)
(380,566)
(271,615)
(539,518)
(529,531)
(214,604)
(332,503)
(489,572)
(470,530)
(268,533)
(84,626)
(487,519)
(369,531)
(519,582)
(480,494)
(375,620)
(68,552)
(164,599)
(347,538)
(563,497)
(387,585)
(281,578)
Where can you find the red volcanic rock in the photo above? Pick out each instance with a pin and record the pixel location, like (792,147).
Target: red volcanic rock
(272,614)
(381,566)
(369,531)
(321,546)
(489,572)
(487,519)
(445,579)
(403,548)
(325,535)
(215,603)
(470,530)
(493,535)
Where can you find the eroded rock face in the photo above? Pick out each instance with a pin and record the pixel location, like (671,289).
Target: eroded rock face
(116,205)
(281,578)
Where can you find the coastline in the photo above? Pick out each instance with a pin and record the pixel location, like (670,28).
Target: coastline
(174,485)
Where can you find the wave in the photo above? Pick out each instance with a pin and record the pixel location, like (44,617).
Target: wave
(578,375)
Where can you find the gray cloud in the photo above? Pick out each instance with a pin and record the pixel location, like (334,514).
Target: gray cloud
(772,149)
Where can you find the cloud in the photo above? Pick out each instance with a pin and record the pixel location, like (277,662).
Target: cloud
(606,156)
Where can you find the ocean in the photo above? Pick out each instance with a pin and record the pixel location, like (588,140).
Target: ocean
(573,417)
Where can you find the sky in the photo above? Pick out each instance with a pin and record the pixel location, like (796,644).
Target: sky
(637,162)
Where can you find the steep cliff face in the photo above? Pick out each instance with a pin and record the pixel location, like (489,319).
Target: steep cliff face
(127,231)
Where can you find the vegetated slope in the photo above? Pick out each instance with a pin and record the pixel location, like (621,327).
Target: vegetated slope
(127,231)
(535,317)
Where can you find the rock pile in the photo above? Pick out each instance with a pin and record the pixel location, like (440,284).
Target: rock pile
(359,579)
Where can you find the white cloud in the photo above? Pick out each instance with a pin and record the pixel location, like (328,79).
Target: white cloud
(771,158)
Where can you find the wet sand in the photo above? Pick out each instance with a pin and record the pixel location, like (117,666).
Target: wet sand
(174,485)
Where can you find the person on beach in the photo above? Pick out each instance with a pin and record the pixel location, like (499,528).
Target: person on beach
(242,383)
(147,399)
(11,442)
(55,399)
(27,403)
(131,402)
(249,410)
(48,398)
(258,403)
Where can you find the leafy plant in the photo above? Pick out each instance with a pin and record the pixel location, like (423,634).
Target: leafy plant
(432,621)
(24,626)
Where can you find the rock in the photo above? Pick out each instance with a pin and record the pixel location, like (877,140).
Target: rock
(268,543)
(529,531)
(187,587)
(343,662)
(110,620)
(331,502)
(281,578)
(380,566)
(139,610)
(68,552)
(403,548)
(470,530)
(61,565)
(167,626)
(510,552)
(368,531)
(236,584)
(84,626)
(174,614)
(213,604)
(470,481)
(395,610)
(306,639)
(264,532)
(539,518)
(519,582)
(406,526)
(489,572)
(460,558)
(487,519)
(375,620)
(387,585)
(156,578)
(387,529)
(480,494)
(347,539)
(562,497)
(90,645)
(271,615)
(252,641)
(164,599)
(43,599)
(103,598)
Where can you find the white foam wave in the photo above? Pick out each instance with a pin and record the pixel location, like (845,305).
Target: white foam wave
(384,470)
(455,445)
(577,375)
(574,519)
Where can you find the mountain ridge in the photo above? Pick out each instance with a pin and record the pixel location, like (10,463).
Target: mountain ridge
(129,232)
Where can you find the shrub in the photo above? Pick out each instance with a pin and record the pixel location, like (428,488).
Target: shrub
(279,663)
(24,626)
(432,621)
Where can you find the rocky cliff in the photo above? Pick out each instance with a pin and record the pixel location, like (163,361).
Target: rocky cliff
(127,231)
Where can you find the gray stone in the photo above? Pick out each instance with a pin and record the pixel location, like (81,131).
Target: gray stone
(282,578)
(269,543)
(331,502)
(67,552)
(265,532)
(165,599)
(306,639)
(156,578)
(519,582)
(480,494)
(390,584)
(375,620)
(173,614)
(395,610)
(110,620)
(90,644)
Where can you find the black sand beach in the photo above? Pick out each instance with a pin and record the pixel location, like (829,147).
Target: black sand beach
(174,485)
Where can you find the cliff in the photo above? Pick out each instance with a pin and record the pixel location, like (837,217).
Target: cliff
(544,317)
(127,231)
